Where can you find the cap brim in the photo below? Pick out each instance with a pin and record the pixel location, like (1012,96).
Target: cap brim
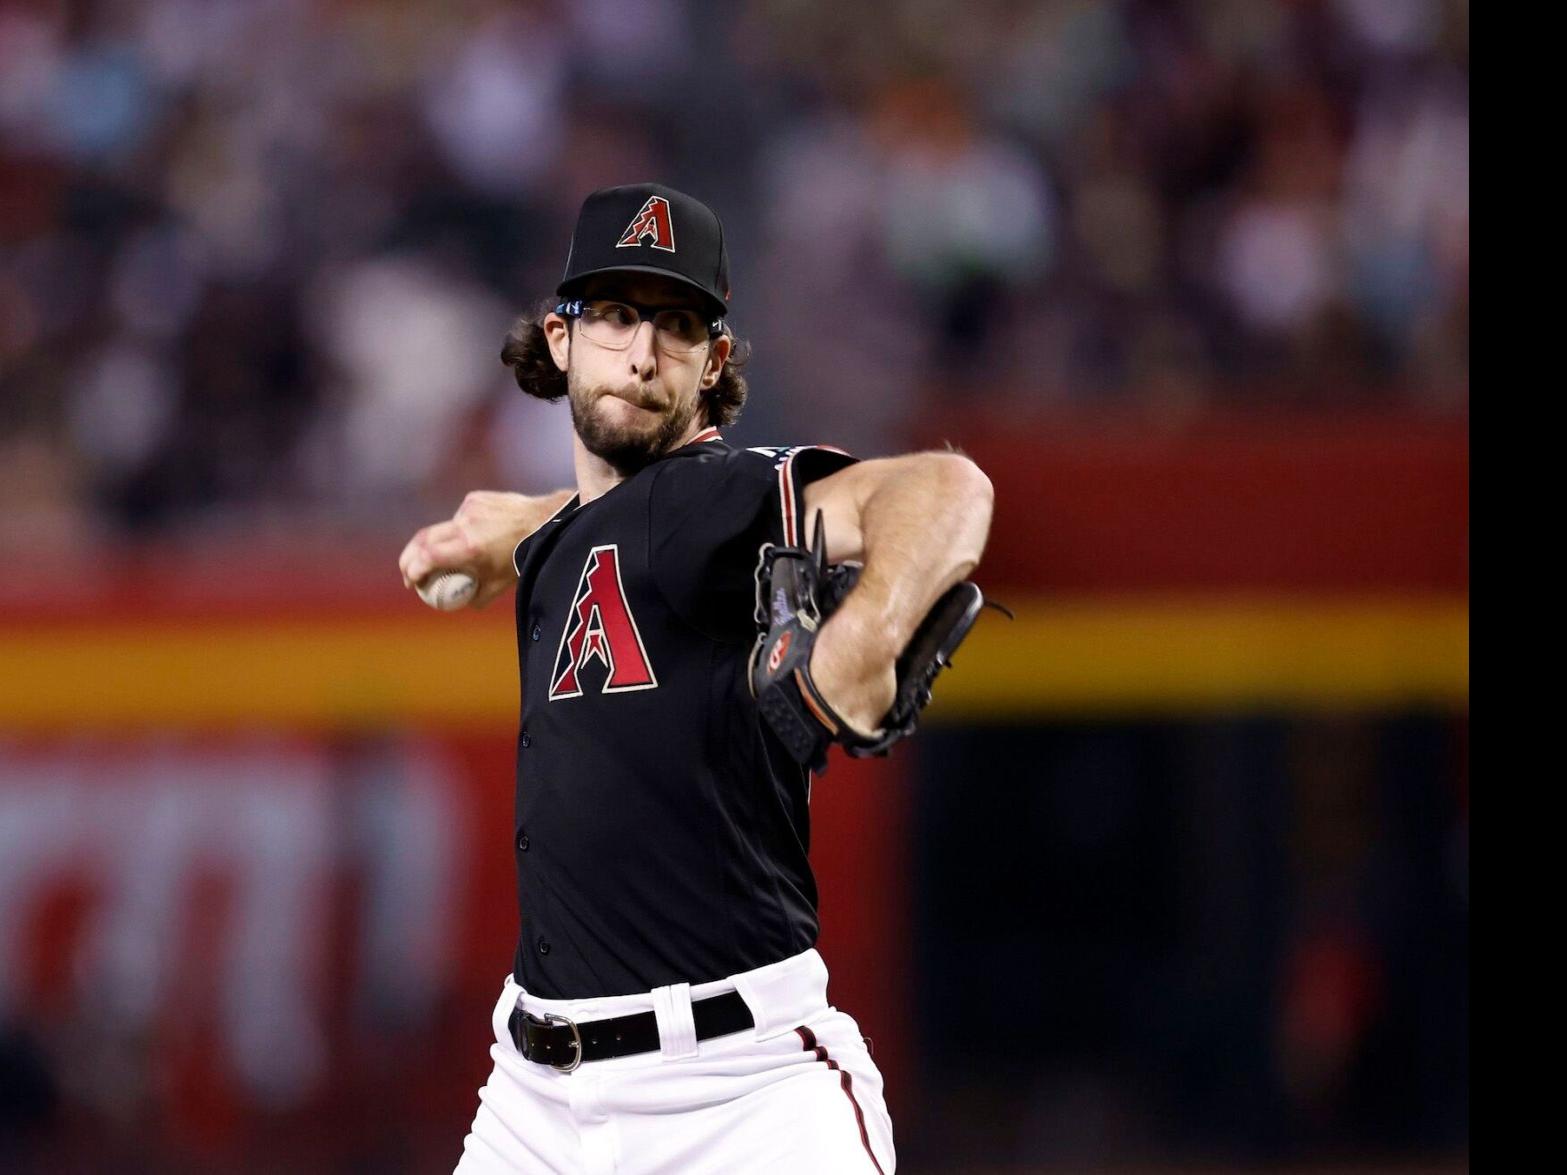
(566,287)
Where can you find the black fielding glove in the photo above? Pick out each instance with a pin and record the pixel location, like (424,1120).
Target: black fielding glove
(796,591)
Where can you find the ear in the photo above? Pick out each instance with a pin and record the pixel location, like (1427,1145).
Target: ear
(717,356)
(557,333)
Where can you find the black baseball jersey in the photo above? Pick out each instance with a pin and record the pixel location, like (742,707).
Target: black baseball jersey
(661,829)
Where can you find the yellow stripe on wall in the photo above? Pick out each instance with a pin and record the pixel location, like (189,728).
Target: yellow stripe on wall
(332,675)
(1059,658)
(1186,657)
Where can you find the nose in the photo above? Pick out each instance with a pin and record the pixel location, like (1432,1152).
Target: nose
(643,350)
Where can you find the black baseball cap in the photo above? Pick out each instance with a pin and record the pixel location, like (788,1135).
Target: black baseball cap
(648,228)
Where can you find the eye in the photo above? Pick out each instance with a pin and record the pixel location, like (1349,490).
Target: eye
(681,323)
(615,313)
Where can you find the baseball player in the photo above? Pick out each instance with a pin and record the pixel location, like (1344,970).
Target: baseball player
(687,651)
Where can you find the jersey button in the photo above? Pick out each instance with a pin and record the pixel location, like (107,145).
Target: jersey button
(522,841)
(537,632)
(544,945)
(527,739)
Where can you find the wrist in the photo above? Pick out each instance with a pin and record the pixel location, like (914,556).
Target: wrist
(533,512)
(852,668)
(863,624)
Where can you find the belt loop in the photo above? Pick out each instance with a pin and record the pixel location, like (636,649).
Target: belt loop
(784,994)
(676,1028)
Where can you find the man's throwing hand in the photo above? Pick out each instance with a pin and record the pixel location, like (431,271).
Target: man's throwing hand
(478,540)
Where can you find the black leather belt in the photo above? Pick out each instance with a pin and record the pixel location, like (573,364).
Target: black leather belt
(564,1044)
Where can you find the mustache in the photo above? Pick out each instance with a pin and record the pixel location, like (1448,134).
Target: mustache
(635,397)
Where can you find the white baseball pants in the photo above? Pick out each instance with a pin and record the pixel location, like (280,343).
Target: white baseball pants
(797,1093)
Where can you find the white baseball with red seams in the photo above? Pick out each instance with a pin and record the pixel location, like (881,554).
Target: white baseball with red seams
(688,1109)
(448,590)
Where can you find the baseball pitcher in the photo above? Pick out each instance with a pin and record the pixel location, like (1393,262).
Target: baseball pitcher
(696,625)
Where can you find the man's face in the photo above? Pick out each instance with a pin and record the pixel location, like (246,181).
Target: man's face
(631,406)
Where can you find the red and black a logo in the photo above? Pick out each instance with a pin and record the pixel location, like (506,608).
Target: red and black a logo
(600,627)
(653,221)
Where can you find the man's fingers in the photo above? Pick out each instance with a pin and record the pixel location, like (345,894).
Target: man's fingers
(444,546)
(418,557)
(405,561)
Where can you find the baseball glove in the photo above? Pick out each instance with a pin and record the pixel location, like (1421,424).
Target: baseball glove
(796,591)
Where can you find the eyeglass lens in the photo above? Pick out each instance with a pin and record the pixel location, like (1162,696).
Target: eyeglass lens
(614,324)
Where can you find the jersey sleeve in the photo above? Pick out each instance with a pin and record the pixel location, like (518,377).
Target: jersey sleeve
(708,519)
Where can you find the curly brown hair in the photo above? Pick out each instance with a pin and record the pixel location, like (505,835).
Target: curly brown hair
(527,352)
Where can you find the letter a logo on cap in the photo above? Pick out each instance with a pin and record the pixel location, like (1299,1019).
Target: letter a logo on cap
(652,221)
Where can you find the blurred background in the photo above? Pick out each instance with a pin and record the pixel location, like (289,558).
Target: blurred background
(1177,875)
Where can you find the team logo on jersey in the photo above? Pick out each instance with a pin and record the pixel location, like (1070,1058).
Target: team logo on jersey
(600,628)
(653,221)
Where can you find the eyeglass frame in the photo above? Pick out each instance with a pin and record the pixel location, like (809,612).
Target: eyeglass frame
(573,308)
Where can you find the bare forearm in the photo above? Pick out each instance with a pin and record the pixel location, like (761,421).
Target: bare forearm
(924,530)
(519,515)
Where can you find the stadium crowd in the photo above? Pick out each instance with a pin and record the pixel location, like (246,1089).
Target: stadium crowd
(257,256)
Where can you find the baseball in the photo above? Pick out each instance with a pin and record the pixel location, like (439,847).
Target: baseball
(447,591)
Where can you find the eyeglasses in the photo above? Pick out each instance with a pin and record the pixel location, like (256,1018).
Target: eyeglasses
(614,324)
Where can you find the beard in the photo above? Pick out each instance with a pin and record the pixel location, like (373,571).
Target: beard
(630,446)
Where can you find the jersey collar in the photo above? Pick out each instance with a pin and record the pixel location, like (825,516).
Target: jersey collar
(707,436)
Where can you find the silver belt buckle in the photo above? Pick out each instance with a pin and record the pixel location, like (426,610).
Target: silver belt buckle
(576,1041)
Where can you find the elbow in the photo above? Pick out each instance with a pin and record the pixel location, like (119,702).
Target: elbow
(964,481)
(969,493)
